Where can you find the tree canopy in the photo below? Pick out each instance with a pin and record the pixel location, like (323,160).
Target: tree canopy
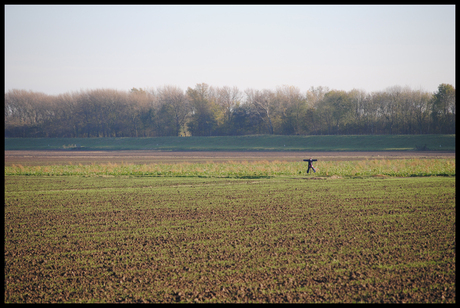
(205,110)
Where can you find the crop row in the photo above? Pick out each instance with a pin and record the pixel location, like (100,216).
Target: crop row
(257,169)
(159,240)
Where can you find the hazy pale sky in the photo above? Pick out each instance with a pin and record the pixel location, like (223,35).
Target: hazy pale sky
(58,49)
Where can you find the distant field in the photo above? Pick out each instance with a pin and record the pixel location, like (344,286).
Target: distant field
(242,143)
(141,157)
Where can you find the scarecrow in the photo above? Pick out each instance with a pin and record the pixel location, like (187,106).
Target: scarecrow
(310,164)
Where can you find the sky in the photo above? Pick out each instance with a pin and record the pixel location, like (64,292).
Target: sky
(68,48)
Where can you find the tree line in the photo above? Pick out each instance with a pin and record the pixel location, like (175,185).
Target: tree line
(218,111)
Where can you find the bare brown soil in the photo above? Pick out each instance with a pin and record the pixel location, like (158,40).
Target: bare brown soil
(159,240)
(34,158)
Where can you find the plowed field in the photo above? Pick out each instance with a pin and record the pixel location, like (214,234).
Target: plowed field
(279,240)
(33,158)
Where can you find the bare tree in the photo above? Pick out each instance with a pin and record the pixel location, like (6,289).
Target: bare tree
(443,108)
(28,110)
(228,98)
(362,112)
(66,122)
(315,96)
(263,102)
(176,99)
(421,101)
(203,119)
(291,107)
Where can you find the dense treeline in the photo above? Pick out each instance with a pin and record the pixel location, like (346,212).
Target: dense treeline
(212,111)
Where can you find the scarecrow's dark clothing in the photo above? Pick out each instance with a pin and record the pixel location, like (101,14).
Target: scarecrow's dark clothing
(310,165)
